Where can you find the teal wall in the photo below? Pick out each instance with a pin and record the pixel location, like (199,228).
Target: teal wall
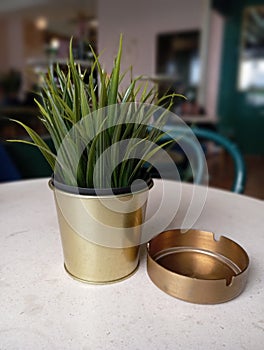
(237,117)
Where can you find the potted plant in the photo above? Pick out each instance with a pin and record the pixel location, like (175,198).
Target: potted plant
(101,164)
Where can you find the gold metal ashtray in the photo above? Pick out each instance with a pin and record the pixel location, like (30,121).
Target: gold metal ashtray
(195,267)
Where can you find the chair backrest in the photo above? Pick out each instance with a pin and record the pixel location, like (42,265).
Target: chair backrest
(239,164)
(8,170)
(208,135)
(28,160)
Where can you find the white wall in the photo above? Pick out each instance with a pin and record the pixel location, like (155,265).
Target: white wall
(9,5)
(141,21)
(19,40)
(15,39)
(4,54)
(11,43)
(214,61)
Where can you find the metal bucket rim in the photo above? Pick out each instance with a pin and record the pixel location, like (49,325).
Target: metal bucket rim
(142,186)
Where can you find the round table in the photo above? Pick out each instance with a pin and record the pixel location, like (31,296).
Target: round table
(43,308)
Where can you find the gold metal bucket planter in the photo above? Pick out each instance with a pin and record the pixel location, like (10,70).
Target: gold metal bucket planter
(100,234)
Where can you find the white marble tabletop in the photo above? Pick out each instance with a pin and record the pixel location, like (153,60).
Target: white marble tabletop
(41,307)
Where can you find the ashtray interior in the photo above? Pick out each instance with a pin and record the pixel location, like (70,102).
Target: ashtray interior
(198,263)
(196,267)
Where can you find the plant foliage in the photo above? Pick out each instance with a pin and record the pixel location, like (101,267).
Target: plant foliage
(87,119)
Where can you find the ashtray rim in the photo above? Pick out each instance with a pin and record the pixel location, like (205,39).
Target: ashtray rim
(190,288)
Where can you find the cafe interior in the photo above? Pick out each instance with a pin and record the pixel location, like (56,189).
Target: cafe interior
(211,51)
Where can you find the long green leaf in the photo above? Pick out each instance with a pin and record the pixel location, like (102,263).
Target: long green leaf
(114,80)
(37,140)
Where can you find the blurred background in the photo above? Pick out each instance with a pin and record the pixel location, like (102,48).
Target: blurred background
(210,50)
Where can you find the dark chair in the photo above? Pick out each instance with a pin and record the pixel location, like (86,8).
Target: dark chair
(8,170)
(185,135)
(233,151)
(28,159)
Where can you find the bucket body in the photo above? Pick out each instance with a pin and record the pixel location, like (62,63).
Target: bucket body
(100,234)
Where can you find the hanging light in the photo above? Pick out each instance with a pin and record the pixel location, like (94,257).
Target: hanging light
(54,44)
(41,23)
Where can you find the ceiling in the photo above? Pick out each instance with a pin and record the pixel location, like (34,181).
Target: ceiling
(61,15)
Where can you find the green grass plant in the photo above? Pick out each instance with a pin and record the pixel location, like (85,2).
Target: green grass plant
(87,118)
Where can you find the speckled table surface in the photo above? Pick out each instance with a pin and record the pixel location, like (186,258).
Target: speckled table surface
(41,307)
